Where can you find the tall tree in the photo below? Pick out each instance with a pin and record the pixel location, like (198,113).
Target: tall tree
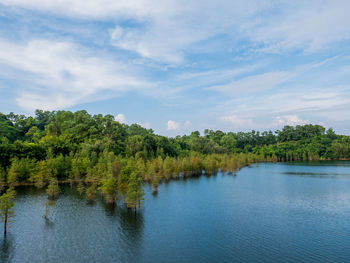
(6,205)
(134,195)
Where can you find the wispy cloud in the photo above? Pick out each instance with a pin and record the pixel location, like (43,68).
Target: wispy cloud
(235,121)
(254,83)
(265,81)
(167,30)
(58,74)
(309,26)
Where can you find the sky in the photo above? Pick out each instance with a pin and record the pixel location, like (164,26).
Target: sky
(177,66)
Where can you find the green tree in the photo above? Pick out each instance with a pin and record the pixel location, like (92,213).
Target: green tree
(123,179)
(13,173)
(155,183)
(91,192)
(44,173)
(34,134)
(108,187)
(80,188)
(7,129)
(53,189)
(2,178)
(135,193)
(21,170)
(228,141)
(6,205)
(134,144)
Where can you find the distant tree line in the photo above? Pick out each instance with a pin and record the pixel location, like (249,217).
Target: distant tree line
(103,156)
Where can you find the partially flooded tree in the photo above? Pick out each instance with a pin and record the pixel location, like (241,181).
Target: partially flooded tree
(91,192)
(134,195)
(80,188)
(41,177)
(155,183)
(53,189)
(13,173)
(109,189)
(6,204)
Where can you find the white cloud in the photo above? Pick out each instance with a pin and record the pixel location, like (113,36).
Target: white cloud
(308,25)
(234,120)
(168,30)
(181,27)
(173,125)
(57,75)
(145,125)
(291,120)
(146,45)
(101,9)
(167,27)
(120,118)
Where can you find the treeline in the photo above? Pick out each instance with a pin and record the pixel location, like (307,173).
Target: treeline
(104,156)
(117,176)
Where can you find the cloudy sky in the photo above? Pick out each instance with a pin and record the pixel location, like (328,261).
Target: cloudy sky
(178,66)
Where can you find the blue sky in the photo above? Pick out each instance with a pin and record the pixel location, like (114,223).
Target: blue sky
(179,66)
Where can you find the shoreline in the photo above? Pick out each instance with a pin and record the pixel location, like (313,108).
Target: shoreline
(184,174)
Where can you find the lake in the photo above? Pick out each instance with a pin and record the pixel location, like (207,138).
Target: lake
(284,212)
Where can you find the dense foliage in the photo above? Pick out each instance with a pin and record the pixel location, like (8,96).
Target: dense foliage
(103,156)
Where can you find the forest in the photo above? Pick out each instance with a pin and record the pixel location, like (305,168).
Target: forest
(101,156)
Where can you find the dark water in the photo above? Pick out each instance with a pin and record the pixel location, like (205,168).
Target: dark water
(294,212)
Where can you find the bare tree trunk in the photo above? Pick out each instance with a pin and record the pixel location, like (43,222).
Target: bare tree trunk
(47,210)
(5,223)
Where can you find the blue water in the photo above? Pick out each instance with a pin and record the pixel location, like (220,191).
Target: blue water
(285,212)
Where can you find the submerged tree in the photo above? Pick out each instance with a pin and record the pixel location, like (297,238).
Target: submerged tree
(6,205)
(91,192)
(134,195)
(41,177)
(53,189)
(13,174)
(109,189)
(80,188)
(155,183)
(48,204)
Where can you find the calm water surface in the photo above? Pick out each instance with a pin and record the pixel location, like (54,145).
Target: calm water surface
(296,212)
